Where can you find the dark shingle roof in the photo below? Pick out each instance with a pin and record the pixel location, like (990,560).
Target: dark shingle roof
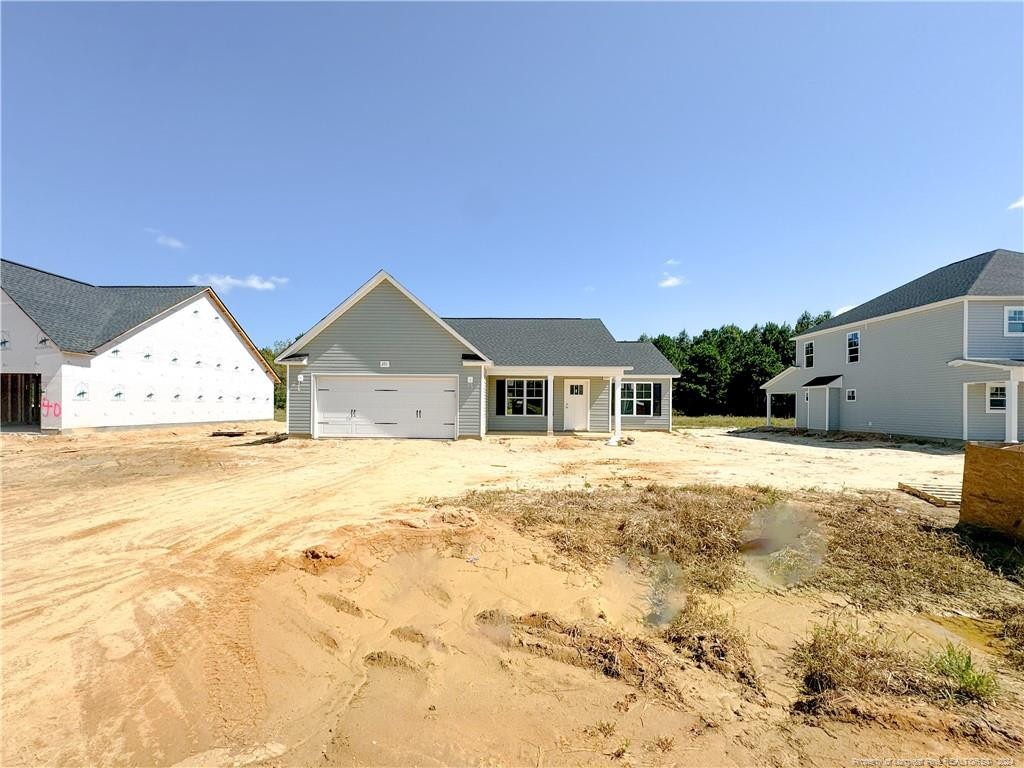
(540,340)
(646,359)
(820,381)
(79,317)
(996,273)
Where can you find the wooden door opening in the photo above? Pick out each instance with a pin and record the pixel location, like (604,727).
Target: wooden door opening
(19,399)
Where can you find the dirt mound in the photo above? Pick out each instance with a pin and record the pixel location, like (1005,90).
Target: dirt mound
(589,645)
(389,660)
(342,604)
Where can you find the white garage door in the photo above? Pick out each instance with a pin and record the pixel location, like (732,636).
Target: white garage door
(385,406)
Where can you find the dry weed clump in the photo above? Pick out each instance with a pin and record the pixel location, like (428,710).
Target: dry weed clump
(837,660)
(587,645)
(1011,631)
(711,640)
(698,527)
(881,557)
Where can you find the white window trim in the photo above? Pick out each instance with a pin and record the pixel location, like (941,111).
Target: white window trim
(634,398)
(859,346)
(1006,321)
(851,399)
(543,400)
(988,396)
(811,345)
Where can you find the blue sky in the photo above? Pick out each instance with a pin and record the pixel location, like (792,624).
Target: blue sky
(661,166)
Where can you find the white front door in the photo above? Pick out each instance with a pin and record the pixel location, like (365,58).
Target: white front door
(577,405)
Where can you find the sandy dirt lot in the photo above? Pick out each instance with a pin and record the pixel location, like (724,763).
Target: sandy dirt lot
(158,608)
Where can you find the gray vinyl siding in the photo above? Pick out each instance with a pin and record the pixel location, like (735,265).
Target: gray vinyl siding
(384,325)
(985,329)
(904,385)
(801,409)
(599,389)
(651,422)
(983,426)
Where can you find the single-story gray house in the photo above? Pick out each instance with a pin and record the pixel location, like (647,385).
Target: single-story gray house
(383,364)
(941,356)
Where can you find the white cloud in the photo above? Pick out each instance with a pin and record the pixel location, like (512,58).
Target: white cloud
(225,283)
(167,241)
(671,262)
(670,281)
(588,289)
(1018,204)
(842,309)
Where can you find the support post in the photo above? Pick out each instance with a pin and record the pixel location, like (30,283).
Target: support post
(767,408)
(617,394)
(550,404)
(964,406)
(1011,405)
(483,401)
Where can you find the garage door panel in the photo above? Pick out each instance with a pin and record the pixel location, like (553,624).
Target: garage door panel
(386,407)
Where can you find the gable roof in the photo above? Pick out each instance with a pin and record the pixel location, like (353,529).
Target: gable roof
(354,299)
(80,317)
(646,359)
(995,273)
(529,341)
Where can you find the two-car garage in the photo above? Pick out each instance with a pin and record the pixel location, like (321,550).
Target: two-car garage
(384,406)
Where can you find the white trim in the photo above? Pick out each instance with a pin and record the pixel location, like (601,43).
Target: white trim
(966,336)
(314,433)
(966,409)
(1006,321)
(988,396)
(859,345)
(670,405)
(483,401)
(775,378)
(767,409)
(902,312)
(549,404)
(827,398)
(355,298)
(617,394)
(636,383)
(565,400)
(811,344)
(1012,404)
(982,364)
(851,399)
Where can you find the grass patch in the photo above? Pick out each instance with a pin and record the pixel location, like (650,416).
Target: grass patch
(712,640)
(680,421)
(279,414)
(837,660)
(699,527)
(883,558)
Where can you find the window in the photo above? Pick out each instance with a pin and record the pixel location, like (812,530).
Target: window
(808,354)
(575,389)
(995,402)
(853,347)
(524,397)
(637,398)
(807,395)
(1013,318)
(851,395)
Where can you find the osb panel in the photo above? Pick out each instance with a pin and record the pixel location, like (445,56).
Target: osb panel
(993,494)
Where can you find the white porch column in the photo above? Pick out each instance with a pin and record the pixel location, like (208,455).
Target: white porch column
(1011,404)
(964,404)
(767,408)
(550,404)
(483,401)
(617,394)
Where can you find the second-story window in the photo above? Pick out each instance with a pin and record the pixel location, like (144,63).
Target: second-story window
(808,354)
(853,347)
(1014,317)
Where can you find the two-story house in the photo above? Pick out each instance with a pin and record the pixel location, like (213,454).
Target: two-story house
(942,356)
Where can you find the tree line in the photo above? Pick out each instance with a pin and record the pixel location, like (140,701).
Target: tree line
(723,368)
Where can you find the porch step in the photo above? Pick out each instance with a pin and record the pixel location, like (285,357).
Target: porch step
(939,495)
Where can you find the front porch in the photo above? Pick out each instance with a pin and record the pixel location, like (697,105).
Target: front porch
(581,402)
